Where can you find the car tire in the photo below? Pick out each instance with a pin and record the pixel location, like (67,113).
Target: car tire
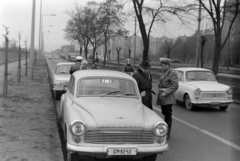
(56,96)
(150,158)
(223,108)
(72,156)
(189,106)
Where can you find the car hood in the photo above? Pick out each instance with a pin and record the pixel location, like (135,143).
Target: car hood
(114,112)
(209,86)
(62,77)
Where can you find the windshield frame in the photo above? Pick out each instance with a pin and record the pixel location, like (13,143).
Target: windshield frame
(136,96)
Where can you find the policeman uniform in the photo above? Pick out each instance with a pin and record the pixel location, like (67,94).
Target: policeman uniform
(168,84)
(78,65)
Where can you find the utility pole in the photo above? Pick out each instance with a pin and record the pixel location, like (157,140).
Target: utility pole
(40,35)
(19,59)
(135,26)
(198,35)
(5,86)
(32,39)
(26,57)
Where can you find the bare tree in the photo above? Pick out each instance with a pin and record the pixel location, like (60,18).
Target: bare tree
(220,11)
(158,13)
(5,85)
(110,12)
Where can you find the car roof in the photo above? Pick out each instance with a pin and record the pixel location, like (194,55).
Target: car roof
(104,73)
(191,69)
(65,63)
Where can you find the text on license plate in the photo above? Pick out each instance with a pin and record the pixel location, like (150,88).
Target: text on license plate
(122,151)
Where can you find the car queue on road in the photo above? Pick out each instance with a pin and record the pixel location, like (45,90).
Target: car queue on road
(82,128)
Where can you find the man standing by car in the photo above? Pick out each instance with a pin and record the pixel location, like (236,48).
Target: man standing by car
(168,84)
(144,81)
(78,65)
(128,68)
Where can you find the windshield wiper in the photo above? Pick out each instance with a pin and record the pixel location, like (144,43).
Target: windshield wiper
(128,94)
(111,92)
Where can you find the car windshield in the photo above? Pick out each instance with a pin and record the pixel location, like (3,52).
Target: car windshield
(62,69)
(106,87)
(200,76)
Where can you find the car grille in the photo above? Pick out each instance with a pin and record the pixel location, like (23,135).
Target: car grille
(116,137)
(213,95)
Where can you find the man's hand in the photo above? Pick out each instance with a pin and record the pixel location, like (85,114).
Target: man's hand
(163,94)
(143,93)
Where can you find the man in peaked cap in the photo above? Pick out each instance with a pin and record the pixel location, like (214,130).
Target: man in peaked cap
(167,85)
(128,67)
(144,81)
(78,65)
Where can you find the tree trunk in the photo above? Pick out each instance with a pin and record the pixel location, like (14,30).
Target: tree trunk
(105,50)
(216,58)
(94,50)
(80,50)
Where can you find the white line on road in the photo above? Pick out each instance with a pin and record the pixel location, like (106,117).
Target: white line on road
(206,132)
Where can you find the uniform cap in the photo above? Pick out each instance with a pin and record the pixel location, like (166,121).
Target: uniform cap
(79,57)
(165,60)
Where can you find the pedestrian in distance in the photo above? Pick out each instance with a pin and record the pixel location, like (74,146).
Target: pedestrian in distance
(79,65)
(128,67)
(144,80)
(167,85)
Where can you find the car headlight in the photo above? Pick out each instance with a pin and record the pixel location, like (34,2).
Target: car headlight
(230,91)
(197,91)
(160,129)
(59,84)
(77,128)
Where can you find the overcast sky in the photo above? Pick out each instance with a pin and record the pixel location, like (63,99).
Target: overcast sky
(17,15)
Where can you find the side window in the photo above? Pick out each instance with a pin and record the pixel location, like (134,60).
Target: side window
(72,88)
(70,83)
(180,76)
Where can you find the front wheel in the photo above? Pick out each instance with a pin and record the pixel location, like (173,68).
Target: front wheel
(150,157)
(56,95)
(188,103)
(223,108)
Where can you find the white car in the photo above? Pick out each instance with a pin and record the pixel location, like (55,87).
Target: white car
(102,116)
(199,87)
(61,78)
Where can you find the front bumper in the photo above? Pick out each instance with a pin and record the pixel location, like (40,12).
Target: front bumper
(146,149)
(207,103)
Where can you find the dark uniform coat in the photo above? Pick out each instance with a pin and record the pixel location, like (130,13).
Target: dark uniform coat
(168,82)
(77,66)
(144,82)
(128,68)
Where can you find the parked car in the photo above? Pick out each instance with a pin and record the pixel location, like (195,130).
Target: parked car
(102,115)
(61,78)
(199,87)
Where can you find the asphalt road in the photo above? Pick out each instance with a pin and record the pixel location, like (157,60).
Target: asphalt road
(206,134)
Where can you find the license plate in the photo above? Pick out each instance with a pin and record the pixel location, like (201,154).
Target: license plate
(122,151)
(214,103)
